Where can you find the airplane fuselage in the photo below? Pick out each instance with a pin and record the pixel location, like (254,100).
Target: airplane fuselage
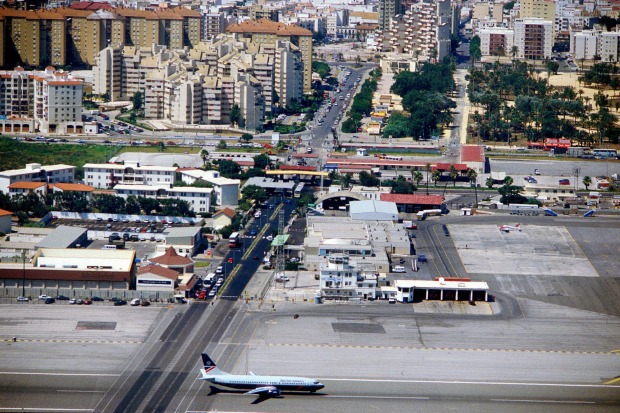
(251,382)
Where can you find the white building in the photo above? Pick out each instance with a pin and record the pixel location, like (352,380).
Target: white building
(496,41)
(589,44)
(372,210)
(199,199)
(109,175)
(533,38)
(35,172)
(226,190)
(344,279)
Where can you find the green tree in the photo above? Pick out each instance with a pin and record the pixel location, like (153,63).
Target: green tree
(436,176)
(346,180)
(403,187)
(454,174)
(132,206)
(222,144)
(489,182)
(587,181)
(474,49)
(472,175)
(204,154)
(228,168)
(428,170)
(262,161)
(108,204)
(417,177)
(149,205)
(246,137)
(254,193)
(511,194)
(368,180)
(137,101)
(235,114)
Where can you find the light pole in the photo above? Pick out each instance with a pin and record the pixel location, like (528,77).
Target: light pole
(24,273)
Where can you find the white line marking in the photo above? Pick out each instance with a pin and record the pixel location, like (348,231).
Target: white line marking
(80,391)
(499,383)
(17,373)
(41,409)
(543,401)
(377,397)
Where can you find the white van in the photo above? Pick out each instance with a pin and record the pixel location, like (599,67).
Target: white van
(399,268)
(108,247)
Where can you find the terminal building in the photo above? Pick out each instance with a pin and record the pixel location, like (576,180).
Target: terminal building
(408,291)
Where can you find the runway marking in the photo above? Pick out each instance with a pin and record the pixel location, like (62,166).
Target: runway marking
(543,401)
(484,383)
(613,381)
(37,340)
(21,373)
(80,391)
(41,409)
(378,397)
(612,352)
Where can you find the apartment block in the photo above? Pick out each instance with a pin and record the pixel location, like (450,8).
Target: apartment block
(496,41)
(533,38)
(213,25)
(199,199)
(595,44)
(422,32)
(259,11)
(267,31)
(73,35)
(35,172)
(226,190)
(387,10)
(543,9)
(49,100)
(110,175)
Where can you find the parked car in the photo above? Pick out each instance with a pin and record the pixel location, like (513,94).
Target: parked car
(49,300)
(564,182)
(120,302)
(73,301)
(62,298)
(145,303)
(219,269)
(421,258)
(44,297)
(96,298)
(20,298)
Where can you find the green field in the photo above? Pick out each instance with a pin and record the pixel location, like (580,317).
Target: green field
(16,154)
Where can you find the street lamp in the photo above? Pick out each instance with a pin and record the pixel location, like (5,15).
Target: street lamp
(24,273)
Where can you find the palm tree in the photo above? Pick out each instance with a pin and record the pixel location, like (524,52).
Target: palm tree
(436,176)
(489,182)
(472,175)
(453,175)
(428,170)
(508,181)
(204,154)
(417,177)
(587,181)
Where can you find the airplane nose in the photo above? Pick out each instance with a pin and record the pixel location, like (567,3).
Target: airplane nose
(321,385)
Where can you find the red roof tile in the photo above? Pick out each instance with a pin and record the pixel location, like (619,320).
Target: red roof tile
(297,168)
(412,199)
(26,185)
(4,212)
(171,258)
(472,153)
(159,270)
(446,166)
(73,187)
(226,211)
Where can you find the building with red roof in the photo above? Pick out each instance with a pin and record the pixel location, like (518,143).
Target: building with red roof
(156,278)
(174,261)
(473,156)
(6,218)
(412,203)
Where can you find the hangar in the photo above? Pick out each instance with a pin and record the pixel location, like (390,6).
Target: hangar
(408,291)
(339,200)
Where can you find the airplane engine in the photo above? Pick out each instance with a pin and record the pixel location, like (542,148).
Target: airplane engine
(274,392)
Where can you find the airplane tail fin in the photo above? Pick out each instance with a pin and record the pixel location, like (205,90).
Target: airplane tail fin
(210,369)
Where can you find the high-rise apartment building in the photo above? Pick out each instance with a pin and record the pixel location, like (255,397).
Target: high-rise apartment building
(387,10)
(66,35)
(496,41)
(595,44)
(267,31)
(543,9)
(533,38)
(51,99)
(213,24)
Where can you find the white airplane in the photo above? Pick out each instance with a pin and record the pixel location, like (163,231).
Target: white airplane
(508,228)
(266,386)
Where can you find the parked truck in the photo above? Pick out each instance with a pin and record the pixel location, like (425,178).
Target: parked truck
(409,225)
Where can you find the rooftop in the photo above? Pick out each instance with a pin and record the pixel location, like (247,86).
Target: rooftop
(472,153)
(413,199)
(171,258)
(159,270)
(268,27)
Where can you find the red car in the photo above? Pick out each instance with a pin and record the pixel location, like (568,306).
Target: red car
(230,260)
(564,182)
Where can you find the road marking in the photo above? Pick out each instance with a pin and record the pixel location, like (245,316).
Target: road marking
(21,373)
(377,397)
(543,401)
(80,391)
(440,348)
(37,340)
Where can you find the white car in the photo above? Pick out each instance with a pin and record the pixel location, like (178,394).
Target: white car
(44,297)
(269,238)
(20,298)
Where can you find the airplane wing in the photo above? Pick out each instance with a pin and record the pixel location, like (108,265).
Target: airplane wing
(252,373)
(265,391)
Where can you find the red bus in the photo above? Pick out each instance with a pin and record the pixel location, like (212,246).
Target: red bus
(234,240)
